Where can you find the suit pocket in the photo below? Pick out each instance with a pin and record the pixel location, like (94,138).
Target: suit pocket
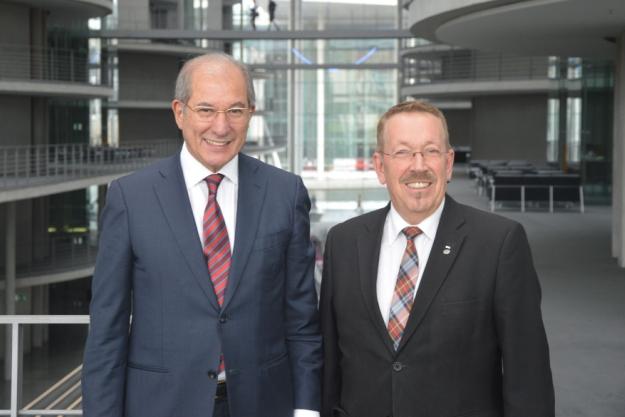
(271,240)
(147,389)
(274,361)
(147,368)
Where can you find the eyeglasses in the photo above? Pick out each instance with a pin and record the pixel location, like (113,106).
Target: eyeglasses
(208,114)
(428,154)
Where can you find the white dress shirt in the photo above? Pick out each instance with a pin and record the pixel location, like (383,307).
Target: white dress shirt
(227,196)
(392,250)
(194,175)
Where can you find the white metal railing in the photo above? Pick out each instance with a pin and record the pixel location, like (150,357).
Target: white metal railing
(22,166)
(464,65)
(14,346)
(23,62)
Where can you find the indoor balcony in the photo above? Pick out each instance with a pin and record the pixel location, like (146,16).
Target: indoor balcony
(50,72)
(462,72)
(36,171)
(63,256)
(41,170)
(77,9)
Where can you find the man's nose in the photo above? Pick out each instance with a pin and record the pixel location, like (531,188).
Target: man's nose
(220,124)
(418,161)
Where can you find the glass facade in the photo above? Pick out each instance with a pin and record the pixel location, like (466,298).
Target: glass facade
(332,111)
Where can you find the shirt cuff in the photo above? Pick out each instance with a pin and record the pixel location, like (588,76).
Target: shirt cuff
(305,413)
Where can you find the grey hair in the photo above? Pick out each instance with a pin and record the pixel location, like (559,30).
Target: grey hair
(183,82)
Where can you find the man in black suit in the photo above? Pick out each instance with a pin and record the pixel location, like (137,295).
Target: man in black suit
(458,330)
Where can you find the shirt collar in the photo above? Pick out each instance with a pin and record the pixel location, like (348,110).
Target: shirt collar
(194,172)
(428,226)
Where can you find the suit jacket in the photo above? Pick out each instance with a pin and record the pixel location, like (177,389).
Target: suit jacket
(150,265)
(474,344)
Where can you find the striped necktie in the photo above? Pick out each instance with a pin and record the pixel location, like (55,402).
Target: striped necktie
(216,242)
(403,296)
(216,245)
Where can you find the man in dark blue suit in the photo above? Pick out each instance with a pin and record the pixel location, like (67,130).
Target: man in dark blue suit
(209,253)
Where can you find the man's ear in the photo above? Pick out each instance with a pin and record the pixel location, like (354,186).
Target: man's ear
(378,164)
(178,108)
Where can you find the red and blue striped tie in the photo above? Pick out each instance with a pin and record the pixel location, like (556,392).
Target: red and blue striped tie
(216,244)
(405,285)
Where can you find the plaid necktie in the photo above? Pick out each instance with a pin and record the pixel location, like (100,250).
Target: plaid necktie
(403,296)
(216,244)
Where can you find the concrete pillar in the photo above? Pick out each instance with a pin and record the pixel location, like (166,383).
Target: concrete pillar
(38,43)
(9,288)
(563,156)
(618,165)
(46,310)
(37,305)
(295,85)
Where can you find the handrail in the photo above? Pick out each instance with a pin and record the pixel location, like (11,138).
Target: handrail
(21,62)
(15,347)
(453,65)
(56,253)
(427,67)
(21,166)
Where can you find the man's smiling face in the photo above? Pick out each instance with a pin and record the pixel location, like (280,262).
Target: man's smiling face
(220,86)
(416,184)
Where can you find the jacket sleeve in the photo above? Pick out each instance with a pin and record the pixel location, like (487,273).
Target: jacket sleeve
(104,368)
(331,380)
(527,381)
(301,315)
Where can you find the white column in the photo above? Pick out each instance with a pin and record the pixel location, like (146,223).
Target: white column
(294,80)
(321,102)
(618,170)
(9,287)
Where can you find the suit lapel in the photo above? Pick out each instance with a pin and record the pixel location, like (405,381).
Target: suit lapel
(251,196)
(174,201)
(445,249)
(368,245)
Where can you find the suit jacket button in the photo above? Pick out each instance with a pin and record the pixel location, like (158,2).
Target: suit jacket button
(398,366)
(223,319)
(212,374)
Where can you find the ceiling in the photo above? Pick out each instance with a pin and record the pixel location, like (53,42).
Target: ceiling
(586,28)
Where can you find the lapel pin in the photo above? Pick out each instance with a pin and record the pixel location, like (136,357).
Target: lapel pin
(447,250)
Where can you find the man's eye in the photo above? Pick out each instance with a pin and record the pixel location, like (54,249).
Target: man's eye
(432,152)
(235,112)
(402,154)
(207,111)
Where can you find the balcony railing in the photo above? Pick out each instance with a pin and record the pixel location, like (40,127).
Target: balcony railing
(60,252)
(14,346)
(20,62)
(466,66)
(23,166)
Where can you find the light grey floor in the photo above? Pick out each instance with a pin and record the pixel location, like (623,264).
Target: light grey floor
(583,303)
